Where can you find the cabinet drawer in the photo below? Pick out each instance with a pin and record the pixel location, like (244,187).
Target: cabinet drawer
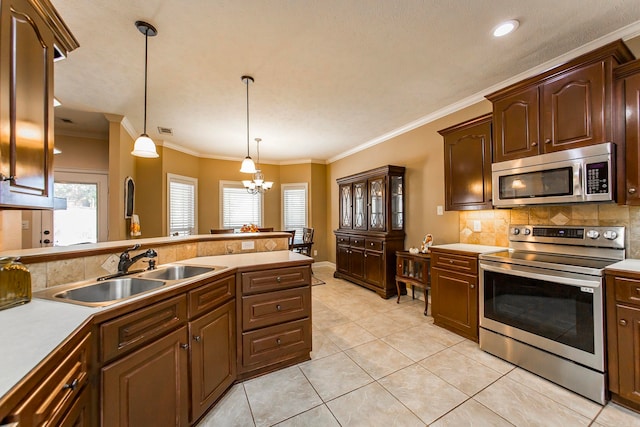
(374,245)
(279,278)
(131,331)
(342,240)
(453,262)
(357,242)
(627,290)
(276,343)
(211,295)
(49,402)
(275,307)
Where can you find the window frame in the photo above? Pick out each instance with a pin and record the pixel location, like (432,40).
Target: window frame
(295,185)
(236,184)
(184,180)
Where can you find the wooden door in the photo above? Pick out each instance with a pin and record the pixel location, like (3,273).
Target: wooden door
(356,262)
(346,206)
(467,164)
(26,107)
(376,205)
(374,268)
(574,108)
(360,205)
(515,121)
(454,298)
(629,352)
(150,386)
(213,357)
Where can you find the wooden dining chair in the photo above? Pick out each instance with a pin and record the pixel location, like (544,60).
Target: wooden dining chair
(265,229)
(221,230)
(291,238)
(307,242)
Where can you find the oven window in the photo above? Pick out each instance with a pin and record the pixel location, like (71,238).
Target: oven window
(561,313)
(546,183)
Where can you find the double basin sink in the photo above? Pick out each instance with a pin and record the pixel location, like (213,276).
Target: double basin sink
(102,293)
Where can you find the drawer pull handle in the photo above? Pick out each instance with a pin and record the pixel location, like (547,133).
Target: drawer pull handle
(278,279)
(472,286)
(72,386)
(278,341)
(547,141)
(623,322)
(632,190)
(371,243)
(278,307)
(637,290)
(197,338)
(450,261)
(534,144)
(184,346)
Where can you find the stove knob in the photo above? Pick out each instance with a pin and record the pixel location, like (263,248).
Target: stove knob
(526,231)
(515,231)
(593,234)
(610,235)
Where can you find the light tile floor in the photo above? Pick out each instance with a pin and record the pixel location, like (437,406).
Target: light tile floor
(378,363)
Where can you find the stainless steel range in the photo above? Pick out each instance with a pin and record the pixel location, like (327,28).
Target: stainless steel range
(542,302)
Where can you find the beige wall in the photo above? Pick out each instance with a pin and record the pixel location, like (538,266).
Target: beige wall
(121,165)
(81,153)
(421,152)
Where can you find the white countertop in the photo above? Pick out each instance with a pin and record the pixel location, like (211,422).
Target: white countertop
(30,332)
(467,247)
(631,265)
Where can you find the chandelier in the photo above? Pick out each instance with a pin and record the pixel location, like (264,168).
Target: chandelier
(257,184)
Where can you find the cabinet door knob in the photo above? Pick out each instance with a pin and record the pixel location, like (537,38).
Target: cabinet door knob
(623,322)
(450,261)
(278,279)
(365,255)
(632,190)
(184,346)
(473,286)
(534,144)
(4,177)
(278,341)
(547,141)
(278,307)
(197,338)
(71,386)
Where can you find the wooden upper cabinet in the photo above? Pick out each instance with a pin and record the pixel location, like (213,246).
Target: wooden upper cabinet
(515,121)
(467,165)
(628,85)
(569,106)
(574,108)
(31,36)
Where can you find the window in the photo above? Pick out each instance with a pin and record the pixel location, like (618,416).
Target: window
(294,207)
(237,207)
(182,204)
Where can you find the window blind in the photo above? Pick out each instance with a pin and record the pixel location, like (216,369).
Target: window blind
(294,207)
(182,205)
(239,207)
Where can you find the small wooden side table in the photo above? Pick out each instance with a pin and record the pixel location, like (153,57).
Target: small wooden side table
(414,269)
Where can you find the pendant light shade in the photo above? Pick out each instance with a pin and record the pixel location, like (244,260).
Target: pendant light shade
(247,164)
(144,146)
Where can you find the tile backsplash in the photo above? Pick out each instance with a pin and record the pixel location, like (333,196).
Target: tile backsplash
(494,224)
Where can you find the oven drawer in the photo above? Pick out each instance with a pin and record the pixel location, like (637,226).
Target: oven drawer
(454,262)
(627,290)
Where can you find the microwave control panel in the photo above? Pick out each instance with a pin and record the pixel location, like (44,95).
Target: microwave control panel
(597,178)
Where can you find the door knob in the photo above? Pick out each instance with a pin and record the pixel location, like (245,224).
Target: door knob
(197,338)
(623,322)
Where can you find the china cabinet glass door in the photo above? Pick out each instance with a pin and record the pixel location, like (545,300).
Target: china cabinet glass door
(359,205)
(345,206)
(397,213)
(376,204)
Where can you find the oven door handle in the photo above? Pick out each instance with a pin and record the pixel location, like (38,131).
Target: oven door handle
(531,274)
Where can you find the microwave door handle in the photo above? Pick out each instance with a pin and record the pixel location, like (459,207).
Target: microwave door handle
(578,180)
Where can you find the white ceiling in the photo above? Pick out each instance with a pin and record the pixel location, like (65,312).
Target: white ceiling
(331,76)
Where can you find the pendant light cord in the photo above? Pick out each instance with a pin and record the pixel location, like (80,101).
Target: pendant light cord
(247,82)
(146,48)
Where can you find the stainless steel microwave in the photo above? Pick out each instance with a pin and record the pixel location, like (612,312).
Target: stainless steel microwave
(583,174)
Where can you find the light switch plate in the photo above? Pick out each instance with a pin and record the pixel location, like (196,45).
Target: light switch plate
(477,226)
(440,210)
(246,245)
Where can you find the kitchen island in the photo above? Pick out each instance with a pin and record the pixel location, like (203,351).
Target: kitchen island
(41,334)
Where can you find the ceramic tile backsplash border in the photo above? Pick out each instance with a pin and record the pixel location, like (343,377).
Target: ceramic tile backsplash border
(495,223)
(53,273)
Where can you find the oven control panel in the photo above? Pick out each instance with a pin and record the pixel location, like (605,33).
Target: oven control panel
(596,236)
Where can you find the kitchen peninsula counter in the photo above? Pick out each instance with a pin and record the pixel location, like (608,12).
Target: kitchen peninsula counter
(31,332)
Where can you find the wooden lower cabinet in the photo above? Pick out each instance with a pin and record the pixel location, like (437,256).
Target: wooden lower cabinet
(213,357)
(454,292)
(150,386)
(623,336)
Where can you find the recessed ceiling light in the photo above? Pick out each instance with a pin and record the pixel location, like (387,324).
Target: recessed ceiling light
(505,28)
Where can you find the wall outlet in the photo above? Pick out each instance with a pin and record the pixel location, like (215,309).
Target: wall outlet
(439,210)
(315,253)
(477,226)
(248,244)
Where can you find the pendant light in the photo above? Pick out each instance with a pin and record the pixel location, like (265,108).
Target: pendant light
(247,164)
(144,146)
(257,184)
